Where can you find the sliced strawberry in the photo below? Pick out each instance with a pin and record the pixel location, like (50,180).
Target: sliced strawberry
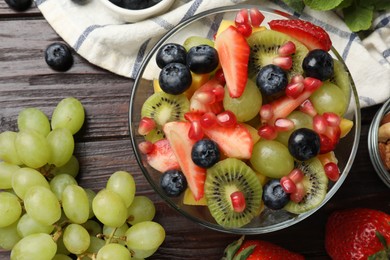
(312,36)
(233,141)
(198,105)
(233,52)
(177,134)
(162,157)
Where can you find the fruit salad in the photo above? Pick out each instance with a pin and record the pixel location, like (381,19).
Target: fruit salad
(248,120)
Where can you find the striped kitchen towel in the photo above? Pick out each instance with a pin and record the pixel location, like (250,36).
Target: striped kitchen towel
(120,47)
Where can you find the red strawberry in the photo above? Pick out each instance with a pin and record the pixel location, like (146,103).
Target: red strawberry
(199,105)
(233,52)
(177,134)
(312,36)
(162,157)
(258,250)
(358,234)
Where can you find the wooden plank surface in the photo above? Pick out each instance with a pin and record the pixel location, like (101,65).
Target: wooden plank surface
(103,145)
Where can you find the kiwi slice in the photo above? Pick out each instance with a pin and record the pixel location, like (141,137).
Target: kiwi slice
(224,178)
(264,47)
(195,41)
(315,182)
(341,78)
(163,108)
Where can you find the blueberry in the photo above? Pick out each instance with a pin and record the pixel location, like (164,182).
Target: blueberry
(19,5)
(205,153)
(170,53)
(116,2)
(271,80)
(274,196)
(135,4)
(304,144)
(175,78)
(202,59)
(58,56)
(173,182)
(318,64)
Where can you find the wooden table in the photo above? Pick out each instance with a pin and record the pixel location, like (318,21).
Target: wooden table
(103,145)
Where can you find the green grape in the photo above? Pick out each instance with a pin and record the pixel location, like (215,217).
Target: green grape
(329,98)
(69,113)
(71,168)
(95,244)
(61,144)
(113,251)
(301,120)
(6,172)
(35,119)
(7,148)
(142,209)
(25,178)
(122,183)
(9,236)
(105,203)
(36,246)
(76,238)
(10,208)
(75,204)
(91,195)
(145,238)
(42,205)
(271,158)
(27,226)
(32,148)
(60,182)
(248,105)
(61,257)
(92,227)
(119,232)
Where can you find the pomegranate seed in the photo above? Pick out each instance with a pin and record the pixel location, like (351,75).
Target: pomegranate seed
(242,17)
(146,125)
(319,124)
(298,195)
(195,132)
(332,118)
(238,201)
(146,147)
(287,49)
(219,93)
(293,90)
(284,124)
(220,77)
(297,78)
(205,97)
(312,83)
(267,132)
(288,185)
(244,29)
(327,157)
(283,62)
(326,144)
(208,120)
(266,112)
(296,175)
(332,171)
(308,108)
(227,118)
(256,17)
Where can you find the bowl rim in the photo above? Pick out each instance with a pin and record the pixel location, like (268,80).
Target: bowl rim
(243,230)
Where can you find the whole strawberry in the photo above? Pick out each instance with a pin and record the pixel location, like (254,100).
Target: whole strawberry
(257,250)
(358,234)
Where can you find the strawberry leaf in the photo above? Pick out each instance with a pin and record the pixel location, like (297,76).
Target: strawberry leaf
(232,249)
(322,5)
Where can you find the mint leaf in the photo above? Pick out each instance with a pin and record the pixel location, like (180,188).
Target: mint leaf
(380,5)
(344,4)
(358,18)
(297,5)
(322,5)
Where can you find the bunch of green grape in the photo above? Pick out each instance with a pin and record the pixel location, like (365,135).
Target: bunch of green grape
(45,214)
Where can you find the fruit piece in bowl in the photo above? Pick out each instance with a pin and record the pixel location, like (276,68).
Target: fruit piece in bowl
(273,108)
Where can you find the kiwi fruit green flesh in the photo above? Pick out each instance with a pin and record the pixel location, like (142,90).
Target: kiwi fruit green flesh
(341,78)
(196,41)
(264,46)
(315,182)
(224,178)
(163,108)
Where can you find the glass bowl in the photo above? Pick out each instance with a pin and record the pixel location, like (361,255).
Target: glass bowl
(205,24)
(373,144)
